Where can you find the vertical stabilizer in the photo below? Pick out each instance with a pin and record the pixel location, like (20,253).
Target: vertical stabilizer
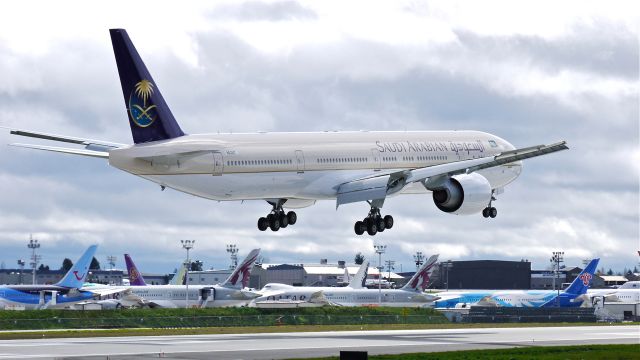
(135,277)
(421,278)
(178,278)
(580,284)
(76,276)
(149,116)
(239,278)
(359,279)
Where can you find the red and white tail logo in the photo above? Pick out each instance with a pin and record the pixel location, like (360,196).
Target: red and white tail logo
(586,278)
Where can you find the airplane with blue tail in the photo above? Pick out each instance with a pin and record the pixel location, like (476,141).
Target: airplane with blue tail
(64,293)
(573,296)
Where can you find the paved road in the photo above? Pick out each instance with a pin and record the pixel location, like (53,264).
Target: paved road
(287,345)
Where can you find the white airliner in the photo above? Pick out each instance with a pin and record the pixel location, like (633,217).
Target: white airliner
(464,170)
(229,293)
(411,295)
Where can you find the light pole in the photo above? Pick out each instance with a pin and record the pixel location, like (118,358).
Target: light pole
(380,249)
(112,261)
(390,264)
(232,249)
(418,257)
(557,258)
(447,266)
(33,245)
(187,245)
(21,264)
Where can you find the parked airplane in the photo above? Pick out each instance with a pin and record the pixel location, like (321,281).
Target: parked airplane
(464,170)
(628,292)
(135,276)
(411,295)
(573,296)
(61,294)
(229,293)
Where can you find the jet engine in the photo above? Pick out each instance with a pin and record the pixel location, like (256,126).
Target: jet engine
(464,194)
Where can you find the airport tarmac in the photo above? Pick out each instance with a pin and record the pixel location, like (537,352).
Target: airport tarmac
(313,344)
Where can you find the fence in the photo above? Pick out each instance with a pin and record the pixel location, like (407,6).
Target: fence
(211,321)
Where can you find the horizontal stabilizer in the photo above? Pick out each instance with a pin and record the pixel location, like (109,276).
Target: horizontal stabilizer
(67,139)
(92,153)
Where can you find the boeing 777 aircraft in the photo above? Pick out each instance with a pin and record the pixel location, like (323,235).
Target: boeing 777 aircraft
(61,294)
(463,170)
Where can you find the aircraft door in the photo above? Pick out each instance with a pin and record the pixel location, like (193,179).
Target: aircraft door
(376,159)
(299,161)
(217,164)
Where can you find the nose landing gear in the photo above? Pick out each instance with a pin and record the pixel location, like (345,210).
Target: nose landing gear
(490,211)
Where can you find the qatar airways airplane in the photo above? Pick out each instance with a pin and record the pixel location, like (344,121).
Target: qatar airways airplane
(463,170)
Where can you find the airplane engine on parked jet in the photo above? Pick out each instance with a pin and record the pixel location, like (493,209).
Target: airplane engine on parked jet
(464,194)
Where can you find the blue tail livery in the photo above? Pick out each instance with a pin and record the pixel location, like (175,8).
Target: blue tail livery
(76,276)
(149,116)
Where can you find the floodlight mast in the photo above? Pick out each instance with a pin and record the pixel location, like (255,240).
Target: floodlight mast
(187,245)
(380,249)
(33,245)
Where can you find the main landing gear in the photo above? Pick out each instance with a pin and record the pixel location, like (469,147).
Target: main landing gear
(373,223)
(277,218)
(490,211)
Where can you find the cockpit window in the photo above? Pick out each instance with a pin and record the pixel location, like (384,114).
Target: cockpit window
(493,143)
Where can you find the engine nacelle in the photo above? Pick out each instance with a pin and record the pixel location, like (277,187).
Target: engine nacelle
(464,194)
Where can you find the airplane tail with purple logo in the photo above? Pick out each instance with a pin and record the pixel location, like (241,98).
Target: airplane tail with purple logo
(239,278)
(76,276)
(135,276)
(421,278)
(149,115)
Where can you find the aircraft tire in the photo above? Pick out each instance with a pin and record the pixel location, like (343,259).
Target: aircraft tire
(372,229)
(493,212)
(359,228)
(284,220)
(380,225)
(263,224)
(292,217)
(274,224)
(388,221)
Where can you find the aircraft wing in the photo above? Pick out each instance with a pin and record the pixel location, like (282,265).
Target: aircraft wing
(379,186)
(93,148)
(105,291)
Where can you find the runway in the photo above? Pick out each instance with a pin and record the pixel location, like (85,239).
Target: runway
(313,344)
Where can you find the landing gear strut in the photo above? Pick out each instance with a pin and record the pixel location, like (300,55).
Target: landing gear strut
(277,218)
(373,223)
(490,211)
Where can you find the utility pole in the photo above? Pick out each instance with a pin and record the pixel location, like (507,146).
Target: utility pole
(187,245)
(232,249)
(21,264)
(35,259)
(418,257)
(557,258)
(380,249)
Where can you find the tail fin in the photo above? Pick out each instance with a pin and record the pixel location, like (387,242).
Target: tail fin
(178,278)
(75,277)
(149,116)
(358,280)
(135,277)
(581,283)
(420,279)
(239,278)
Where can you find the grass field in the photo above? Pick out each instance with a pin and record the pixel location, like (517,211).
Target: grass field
(604,352)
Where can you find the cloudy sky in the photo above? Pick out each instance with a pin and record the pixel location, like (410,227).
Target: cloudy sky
(531,73)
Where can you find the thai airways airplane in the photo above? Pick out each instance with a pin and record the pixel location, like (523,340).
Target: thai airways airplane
(463,170)
(411,295)
(229,293)
(573,296)
(63,293)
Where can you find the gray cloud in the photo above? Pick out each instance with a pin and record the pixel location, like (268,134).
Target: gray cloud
(259,11)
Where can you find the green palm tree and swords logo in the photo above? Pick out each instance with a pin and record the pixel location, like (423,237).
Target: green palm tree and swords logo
(141,114)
